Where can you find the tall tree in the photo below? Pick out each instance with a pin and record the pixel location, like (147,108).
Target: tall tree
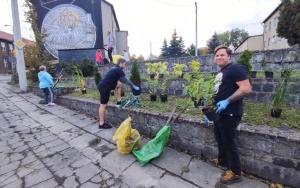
(213,42)
(233,37)
(176,48)
(289,22)
(237,36)
(164,49)
(191,50)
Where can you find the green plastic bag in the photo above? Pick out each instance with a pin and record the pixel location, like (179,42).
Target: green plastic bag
(154,147)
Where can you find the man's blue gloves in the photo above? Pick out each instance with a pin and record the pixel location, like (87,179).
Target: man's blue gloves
(222,105)
(136,88)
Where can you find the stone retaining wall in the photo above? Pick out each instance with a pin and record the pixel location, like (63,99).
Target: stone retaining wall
(272,154)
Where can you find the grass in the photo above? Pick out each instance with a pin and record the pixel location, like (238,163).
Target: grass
(255,113)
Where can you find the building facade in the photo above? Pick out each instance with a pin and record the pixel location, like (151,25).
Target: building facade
(7,60)
(271,41)
(252,43)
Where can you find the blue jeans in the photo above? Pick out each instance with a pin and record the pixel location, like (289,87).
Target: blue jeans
(225,134)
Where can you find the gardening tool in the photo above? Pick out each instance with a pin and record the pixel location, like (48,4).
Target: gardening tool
(155,146)
(58,79)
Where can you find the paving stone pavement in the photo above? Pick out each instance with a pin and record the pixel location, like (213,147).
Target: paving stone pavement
(48,147)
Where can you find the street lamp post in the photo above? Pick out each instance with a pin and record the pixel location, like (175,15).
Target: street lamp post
(18,46)
(196,47)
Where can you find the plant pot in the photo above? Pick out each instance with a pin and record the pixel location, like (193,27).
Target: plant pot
(160,76)
(210,113)
(83,91)
(181,76)
(253,74)
(275,113)
(112,93)
(122,94)
(135,92)
(198,103)
(268,74)
(152,97)
(164,98)
(152,76)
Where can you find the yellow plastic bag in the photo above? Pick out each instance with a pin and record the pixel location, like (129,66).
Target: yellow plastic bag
(127,138)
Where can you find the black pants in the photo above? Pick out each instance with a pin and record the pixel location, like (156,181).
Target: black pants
(225,134)
(48,91)
(109,54)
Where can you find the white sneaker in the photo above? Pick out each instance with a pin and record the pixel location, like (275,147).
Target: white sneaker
(51,104)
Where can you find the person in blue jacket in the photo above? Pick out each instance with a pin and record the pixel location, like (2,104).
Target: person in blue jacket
(110,82)
(46,84)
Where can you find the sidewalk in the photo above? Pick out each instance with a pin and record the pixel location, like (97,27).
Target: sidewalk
(48,147)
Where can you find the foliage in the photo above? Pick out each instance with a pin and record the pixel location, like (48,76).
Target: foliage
(152,68)
(131,101)
(289,22)
(163,83)
(244,59)
(134,58)
(86,66)
(213,42)
(77,77)
(178,68)
(135,77)
(191,50)
(97,76)
(175,48)
(233,37)
(35,56)
(280,90)
(152,85)
(162,68)
(195,66)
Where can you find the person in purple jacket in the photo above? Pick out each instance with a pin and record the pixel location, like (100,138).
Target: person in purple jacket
(46,84)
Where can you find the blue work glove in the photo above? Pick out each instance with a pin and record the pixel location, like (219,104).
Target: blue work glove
(206,120)
(222,105)
(136,88)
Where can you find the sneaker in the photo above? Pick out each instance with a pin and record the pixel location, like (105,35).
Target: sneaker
(51,104)
(230,178)
(105,126)
(215,162)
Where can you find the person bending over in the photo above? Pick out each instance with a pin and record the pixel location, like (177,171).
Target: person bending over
(110,82)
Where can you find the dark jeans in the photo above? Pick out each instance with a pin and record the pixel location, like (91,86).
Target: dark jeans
(48,91)
(109,54)
(225,134)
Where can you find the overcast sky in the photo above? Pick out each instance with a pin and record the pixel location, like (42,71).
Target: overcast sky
(152,21)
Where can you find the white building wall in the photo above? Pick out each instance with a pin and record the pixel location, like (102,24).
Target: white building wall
(271,39)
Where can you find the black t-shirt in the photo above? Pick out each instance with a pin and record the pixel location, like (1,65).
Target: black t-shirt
(111,77)
(226,85)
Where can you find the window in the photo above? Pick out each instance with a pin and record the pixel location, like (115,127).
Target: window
(5,62)
(265,43)
(266,28)
(275,21)
(269,41)
(3,46)
(270,25)
(11,48)
(273,39)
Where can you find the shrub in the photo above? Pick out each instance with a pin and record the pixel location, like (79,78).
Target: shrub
(135,77)
(244,59)
(97,76)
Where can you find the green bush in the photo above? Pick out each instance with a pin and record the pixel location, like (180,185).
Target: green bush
(244,59)
(135,77)
(97,76)
(86,66)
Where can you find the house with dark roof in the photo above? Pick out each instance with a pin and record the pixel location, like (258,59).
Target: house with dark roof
(7,59)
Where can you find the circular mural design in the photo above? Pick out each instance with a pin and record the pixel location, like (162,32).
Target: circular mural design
(68,27)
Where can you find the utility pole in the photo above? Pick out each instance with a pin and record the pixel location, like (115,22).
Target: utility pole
(196,47)
(18,46)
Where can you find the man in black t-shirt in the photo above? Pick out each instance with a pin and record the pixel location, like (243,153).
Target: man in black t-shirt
(110,82)
(232,84)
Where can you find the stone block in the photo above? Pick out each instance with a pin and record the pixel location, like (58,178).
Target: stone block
(287,163)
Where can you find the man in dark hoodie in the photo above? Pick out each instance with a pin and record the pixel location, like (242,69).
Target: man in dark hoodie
(108,83)
(46,84)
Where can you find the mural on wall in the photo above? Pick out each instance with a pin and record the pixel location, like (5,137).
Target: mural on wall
(69,24)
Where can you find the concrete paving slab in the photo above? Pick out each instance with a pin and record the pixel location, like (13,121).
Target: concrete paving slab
(172,160)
